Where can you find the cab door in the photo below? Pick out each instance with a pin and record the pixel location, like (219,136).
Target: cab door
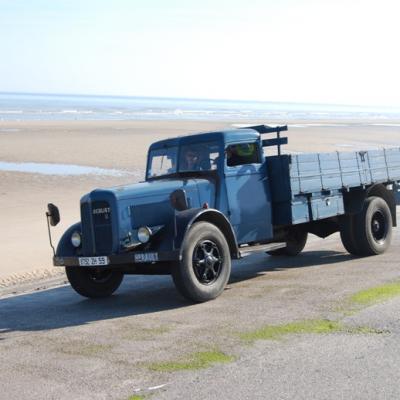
(248,194)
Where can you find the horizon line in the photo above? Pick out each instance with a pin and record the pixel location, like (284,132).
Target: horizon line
(194,99)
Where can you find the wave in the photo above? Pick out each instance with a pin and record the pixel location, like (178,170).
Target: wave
(74,112)
(388,124)
(11,111)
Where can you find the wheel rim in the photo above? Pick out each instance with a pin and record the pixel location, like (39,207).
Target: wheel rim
(207,262)
(99,276)
(379,227)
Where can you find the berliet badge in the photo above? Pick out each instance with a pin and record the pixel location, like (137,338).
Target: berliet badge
(104,210)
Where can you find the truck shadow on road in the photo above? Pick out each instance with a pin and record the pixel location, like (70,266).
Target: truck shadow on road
(279,263)
(61,307)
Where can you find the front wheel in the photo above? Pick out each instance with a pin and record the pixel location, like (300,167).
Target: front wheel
(205,267)
(94,283)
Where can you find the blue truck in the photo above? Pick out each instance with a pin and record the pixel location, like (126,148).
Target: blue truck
(212,197)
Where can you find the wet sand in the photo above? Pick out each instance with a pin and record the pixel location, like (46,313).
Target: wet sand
(122,145)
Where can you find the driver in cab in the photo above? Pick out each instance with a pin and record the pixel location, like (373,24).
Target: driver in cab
(191,160)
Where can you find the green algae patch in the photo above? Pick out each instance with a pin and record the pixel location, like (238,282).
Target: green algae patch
(199,360)
(136,397)
(276,332)
(376,294)
(366,330)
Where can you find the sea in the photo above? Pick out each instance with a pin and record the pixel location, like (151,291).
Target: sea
(47,107)
(28,106)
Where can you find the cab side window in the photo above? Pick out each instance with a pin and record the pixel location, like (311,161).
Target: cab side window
(242,153)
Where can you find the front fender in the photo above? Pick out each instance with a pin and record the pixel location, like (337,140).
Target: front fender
(64,247)
(185,219)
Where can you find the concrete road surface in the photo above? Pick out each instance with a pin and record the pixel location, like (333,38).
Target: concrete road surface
(57,345)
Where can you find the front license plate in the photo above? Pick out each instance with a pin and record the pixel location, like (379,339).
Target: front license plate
(93,261)
(146,257)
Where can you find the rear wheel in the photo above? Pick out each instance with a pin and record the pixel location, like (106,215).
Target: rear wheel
(205,267)
(373,227)
(295,243)
(348,236)
(94,283)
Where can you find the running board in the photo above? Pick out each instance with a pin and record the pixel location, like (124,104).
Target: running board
(247,250)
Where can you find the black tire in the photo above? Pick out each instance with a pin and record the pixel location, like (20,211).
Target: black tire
(205,267)
(348,235)
(295,243)
(94,283)
(373,227)
(276,253)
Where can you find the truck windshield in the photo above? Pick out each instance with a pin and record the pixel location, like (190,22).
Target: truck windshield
(162,162)
(192,157)
(199,157)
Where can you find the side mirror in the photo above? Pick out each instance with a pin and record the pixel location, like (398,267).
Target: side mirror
(53,214)
(178,200)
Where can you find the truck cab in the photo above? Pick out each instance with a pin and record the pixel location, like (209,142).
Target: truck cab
(225,171)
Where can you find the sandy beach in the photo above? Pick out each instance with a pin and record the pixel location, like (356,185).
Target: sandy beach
(122,145)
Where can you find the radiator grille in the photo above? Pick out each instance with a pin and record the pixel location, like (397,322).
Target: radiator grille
(96,228)
(101,217)
(87,236)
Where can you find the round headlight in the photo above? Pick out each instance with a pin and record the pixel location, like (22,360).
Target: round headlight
(144,234)
(76,239)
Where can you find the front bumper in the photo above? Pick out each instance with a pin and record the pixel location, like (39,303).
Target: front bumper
(127,259)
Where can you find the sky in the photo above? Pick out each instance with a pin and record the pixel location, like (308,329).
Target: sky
(315,51)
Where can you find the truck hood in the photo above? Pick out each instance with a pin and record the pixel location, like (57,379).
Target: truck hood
(196,189)
(142,204)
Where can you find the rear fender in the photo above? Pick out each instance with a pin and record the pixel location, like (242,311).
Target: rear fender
(353,200)
(389,196)
(185,219)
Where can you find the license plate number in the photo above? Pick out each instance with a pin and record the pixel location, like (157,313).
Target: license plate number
(93,261)
(146,257)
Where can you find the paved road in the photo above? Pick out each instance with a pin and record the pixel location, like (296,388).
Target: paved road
(335,366)
(57,345)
